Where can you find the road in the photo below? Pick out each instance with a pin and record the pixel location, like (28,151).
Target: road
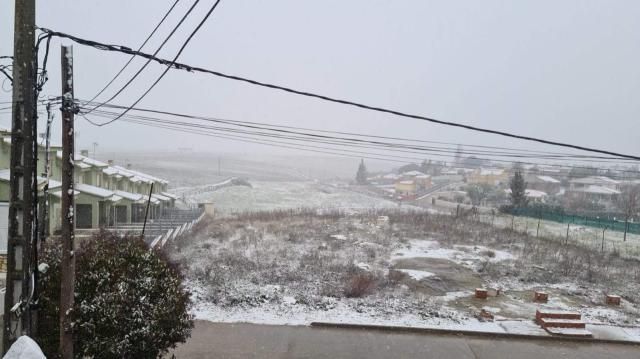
(221,340)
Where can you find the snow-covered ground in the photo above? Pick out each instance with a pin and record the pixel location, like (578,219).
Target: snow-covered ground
(286,195)
(295,270)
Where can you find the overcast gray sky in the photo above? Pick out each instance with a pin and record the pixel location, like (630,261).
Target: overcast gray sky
(563,70)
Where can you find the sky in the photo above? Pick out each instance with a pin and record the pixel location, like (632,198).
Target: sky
(561,70)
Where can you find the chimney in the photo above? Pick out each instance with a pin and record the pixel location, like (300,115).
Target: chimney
(110,162)
(84,153)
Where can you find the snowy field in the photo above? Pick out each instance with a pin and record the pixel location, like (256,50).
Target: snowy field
(414,270)
(286,195)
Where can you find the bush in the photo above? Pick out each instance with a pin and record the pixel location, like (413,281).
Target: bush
(360,285)
(129,301)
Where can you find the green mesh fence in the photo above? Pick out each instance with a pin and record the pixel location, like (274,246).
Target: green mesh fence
(609,221)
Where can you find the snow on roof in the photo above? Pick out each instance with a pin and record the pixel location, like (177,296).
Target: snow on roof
(423,176)
(128,195)
(548,179)
(136,179)
(597,190)
(491,172)
(391,176)
(59,193)
(110,171)
(170,195)
(413,173)
(160,197)
(406,182)
(531,193)
(5,176)
(81,165)
(52,183)
(452,171)
(143,176)
(596,180)
(90,161)
(93,190)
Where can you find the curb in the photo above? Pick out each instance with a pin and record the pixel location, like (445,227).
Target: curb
(467,333)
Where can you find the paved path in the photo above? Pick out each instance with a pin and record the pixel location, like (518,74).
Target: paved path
(219,340)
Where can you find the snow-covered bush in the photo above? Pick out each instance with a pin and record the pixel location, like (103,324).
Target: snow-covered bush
(129,301)
(359,285)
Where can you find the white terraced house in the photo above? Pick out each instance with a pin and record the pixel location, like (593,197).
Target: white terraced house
(106,195)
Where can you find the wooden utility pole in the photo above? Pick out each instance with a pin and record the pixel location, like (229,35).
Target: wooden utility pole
(68,264)
(17,311)
(146,212)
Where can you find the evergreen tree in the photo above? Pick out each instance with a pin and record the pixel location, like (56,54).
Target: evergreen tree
(129,300)
(361,176)
(518,190)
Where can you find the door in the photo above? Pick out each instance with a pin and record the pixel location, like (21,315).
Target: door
(84,215)
(121,214)
(102,214)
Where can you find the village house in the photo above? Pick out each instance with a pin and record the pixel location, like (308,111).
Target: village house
(543,183)
(411,183)
(106,195)
(493,177)
(599,189)
(599,181)
(422,181)
(406,188)
(532,195)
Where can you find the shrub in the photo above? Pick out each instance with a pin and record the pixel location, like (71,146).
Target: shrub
(360,285)
(489,253)
(129,301)
(396,276)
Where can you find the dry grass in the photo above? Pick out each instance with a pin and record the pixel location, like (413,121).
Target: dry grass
(240,254)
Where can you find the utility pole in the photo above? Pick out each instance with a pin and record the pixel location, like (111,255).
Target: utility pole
(44,227)
(17,311)
(68,264)
(146,212)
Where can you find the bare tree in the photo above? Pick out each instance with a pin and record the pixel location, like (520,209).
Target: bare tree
(629,203)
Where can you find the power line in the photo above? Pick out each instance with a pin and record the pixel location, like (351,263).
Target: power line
(390,146)
(133,53)
(172,62)
(529,151)
(329,141)
(358,140)
(308,148)
(180,66)
(139,49)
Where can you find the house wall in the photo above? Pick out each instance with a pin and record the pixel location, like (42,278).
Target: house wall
(405,188)
(5,191)
(490,179)
(5,154)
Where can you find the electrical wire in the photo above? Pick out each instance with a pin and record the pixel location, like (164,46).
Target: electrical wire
(133,53)
(324,150)
(139,49)
(528,151)
(184,45)
(378,143)
(194,128)
(180,66)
